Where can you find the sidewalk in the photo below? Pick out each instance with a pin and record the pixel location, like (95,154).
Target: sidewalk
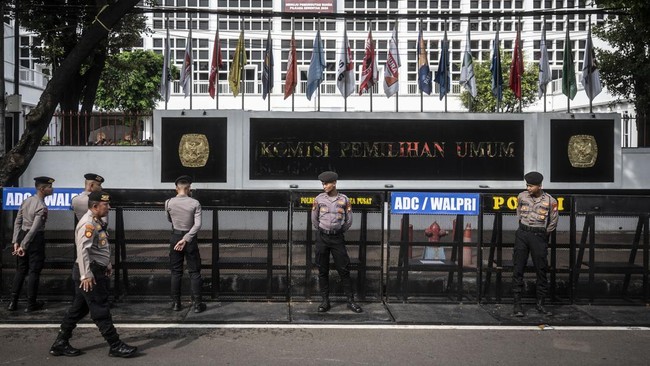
(374,313)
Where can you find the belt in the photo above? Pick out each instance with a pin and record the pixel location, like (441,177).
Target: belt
(180,232)
(329,232)
(97,266)
(532,229)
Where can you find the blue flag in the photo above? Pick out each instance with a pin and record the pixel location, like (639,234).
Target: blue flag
(424,73)
(442,75)
(267,68)
(316,67)
(495,68)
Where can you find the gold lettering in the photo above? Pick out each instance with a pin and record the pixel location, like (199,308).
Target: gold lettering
(498,202)
(560,203)
(512,203)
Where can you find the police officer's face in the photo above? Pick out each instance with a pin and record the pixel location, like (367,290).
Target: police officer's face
(533,189)
(329,186)
(95,187)
(47,190)
(102,209)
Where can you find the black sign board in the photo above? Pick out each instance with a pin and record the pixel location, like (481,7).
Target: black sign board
(194,146)
(369,200)
(582,150)
(299,149)
(507,203)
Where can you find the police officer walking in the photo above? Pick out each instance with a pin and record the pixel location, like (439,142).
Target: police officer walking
(538,215)
(184,212)
(93,183)
(91,275)
(331,215)
(29,245)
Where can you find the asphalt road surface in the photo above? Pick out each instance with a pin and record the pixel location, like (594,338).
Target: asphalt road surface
(336,345)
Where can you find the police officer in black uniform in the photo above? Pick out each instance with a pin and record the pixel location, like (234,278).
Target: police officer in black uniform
(29,245)
(538,215)
(91,275)
(184,212)
(331,216)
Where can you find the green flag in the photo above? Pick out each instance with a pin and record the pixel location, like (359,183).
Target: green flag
(569,84)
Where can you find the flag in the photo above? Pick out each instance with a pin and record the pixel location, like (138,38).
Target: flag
(215,66)
(267,68)
(569,85)
(391,70)
(442,75)
(316,66)
(186,69)
(369,71)
(345,72)
(166,78)
(292,70)
(424,73)
(544,66)
(590,74)
(467,77)
(495,68)
(238,62)
(516,69)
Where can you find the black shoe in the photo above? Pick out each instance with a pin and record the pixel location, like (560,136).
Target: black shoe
(35,306)
(176,305)
(199,307)
(517,310)
(63,348)
(541,309)
(122,350)
(354,307)
(324,306)
(13,305)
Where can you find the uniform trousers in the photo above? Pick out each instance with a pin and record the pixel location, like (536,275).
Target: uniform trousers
(327,244)
(535,243)
(30,265)
(192,256)
(94,301)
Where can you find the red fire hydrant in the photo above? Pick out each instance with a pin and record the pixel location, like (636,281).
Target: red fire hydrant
(434,233)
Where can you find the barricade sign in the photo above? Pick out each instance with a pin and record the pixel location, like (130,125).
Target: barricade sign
(507,203)
(428,203)
(61,198)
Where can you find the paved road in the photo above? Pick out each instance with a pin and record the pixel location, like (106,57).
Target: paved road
(349,345)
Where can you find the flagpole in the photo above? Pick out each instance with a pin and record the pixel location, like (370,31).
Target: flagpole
(498,56)
(521,71)
(568,100)
(216,87)
(271,70)
(166,55)
(241,70)
(546,55)
(374,55)
(418,65)
(468,47)
(397,47)
(447,78)
(296,76)
(589,70)
(318,87)
(192,64)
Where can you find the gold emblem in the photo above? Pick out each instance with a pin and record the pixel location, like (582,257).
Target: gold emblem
(582,151)
(193,150)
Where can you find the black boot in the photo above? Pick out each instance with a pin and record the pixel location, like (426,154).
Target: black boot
(62,347)
(324,305)
(540,307)
(176,303)
(517,309)
(13,304)
(353,305)
(121,349)
(198,304)
(34,305)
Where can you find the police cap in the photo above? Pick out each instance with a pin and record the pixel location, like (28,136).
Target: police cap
(44,180)
(99,196)
(328,176)
(534,178)
(183,179)
(96,177)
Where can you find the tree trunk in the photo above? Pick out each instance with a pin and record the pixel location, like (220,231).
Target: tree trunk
(14,162)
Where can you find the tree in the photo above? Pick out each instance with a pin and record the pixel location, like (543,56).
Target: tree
(14,162)
(485,101)
(625,69)
(59,24)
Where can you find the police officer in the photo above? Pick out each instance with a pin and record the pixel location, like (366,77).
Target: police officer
(93,183)
(29,245)
(91,275)
(538,215)
(331,215)
(184,212)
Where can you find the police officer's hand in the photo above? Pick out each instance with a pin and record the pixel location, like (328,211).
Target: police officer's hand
(180,245)
(87,284)
(18,250)
(109,271)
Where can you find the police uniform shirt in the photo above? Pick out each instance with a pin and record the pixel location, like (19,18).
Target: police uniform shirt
(80,204)
(31,218)
(331,213)
(535,211)
(92,245)
(184,213)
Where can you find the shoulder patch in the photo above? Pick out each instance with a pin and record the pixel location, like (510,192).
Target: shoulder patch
(89,230)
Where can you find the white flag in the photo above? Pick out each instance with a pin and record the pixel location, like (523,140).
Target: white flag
(590,74)
(391,70)
(345,71)
(544,67)
(186,69)
(467,77)
(165,79)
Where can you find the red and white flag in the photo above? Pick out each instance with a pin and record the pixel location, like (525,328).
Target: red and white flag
(369,71)
(216,65)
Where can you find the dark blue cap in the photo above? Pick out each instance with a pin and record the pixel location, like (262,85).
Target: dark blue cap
(99,196)
(534,178)
(95,177)
(328,176)
(44,180)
